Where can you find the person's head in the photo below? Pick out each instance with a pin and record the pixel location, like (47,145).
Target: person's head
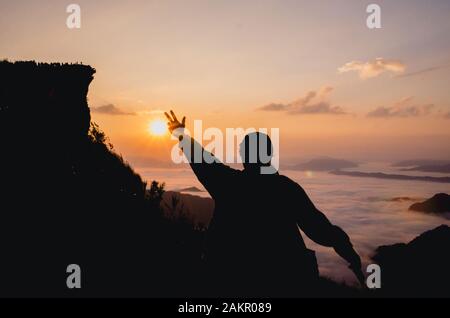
(256,151)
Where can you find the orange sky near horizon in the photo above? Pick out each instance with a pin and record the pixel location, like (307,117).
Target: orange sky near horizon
(311,68)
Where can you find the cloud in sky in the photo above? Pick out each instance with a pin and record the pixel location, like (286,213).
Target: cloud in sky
(150,112)
(402,108)
(373,68)
(111,109)
(325,91)
(314,102)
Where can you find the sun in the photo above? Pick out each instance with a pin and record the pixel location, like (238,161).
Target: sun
(157,127)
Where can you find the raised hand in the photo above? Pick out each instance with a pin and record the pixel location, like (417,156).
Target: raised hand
(173,122)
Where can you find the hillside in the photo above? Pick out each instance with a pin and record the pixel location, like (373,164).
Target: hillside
(67,197)
(417,268)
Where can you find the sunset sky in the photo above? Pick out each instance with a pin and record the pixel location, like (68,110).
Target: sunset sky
(311,68)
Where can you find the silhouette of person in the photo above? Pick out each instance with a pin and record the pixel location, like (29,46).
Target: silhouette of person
(253,246)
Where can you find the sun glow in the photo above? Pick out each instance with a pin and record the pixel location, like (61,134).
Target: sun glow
(157,127)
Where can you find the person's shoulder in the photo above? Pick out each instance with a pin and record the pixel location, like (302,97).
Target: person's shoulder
(288,182)
(284,178)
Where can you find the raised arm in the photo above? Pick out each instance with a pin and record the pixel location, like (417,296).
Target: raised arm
(318,228)
(210,171)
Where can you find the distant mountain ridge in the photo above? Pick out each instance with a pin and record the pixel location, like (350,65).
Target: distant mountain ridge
(381,175)
(196,209)
(323,164)
(190,189)
(438,204)
(430,168)
(420,162)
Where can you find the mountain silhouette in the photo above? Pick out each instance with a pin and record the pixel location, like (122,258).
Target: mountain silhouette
(438,204)
(418,268)
(196,209)
(190,189)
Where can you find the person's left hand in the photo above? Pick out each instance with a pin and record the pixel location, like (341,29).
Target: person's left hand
(349,254)
(356,268)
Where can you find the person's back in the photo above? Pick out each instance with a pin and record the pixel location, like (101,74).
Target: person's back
(254,247)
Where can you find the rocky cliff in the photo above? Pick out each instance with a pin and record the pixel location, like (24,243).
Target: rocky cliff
(66,197)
